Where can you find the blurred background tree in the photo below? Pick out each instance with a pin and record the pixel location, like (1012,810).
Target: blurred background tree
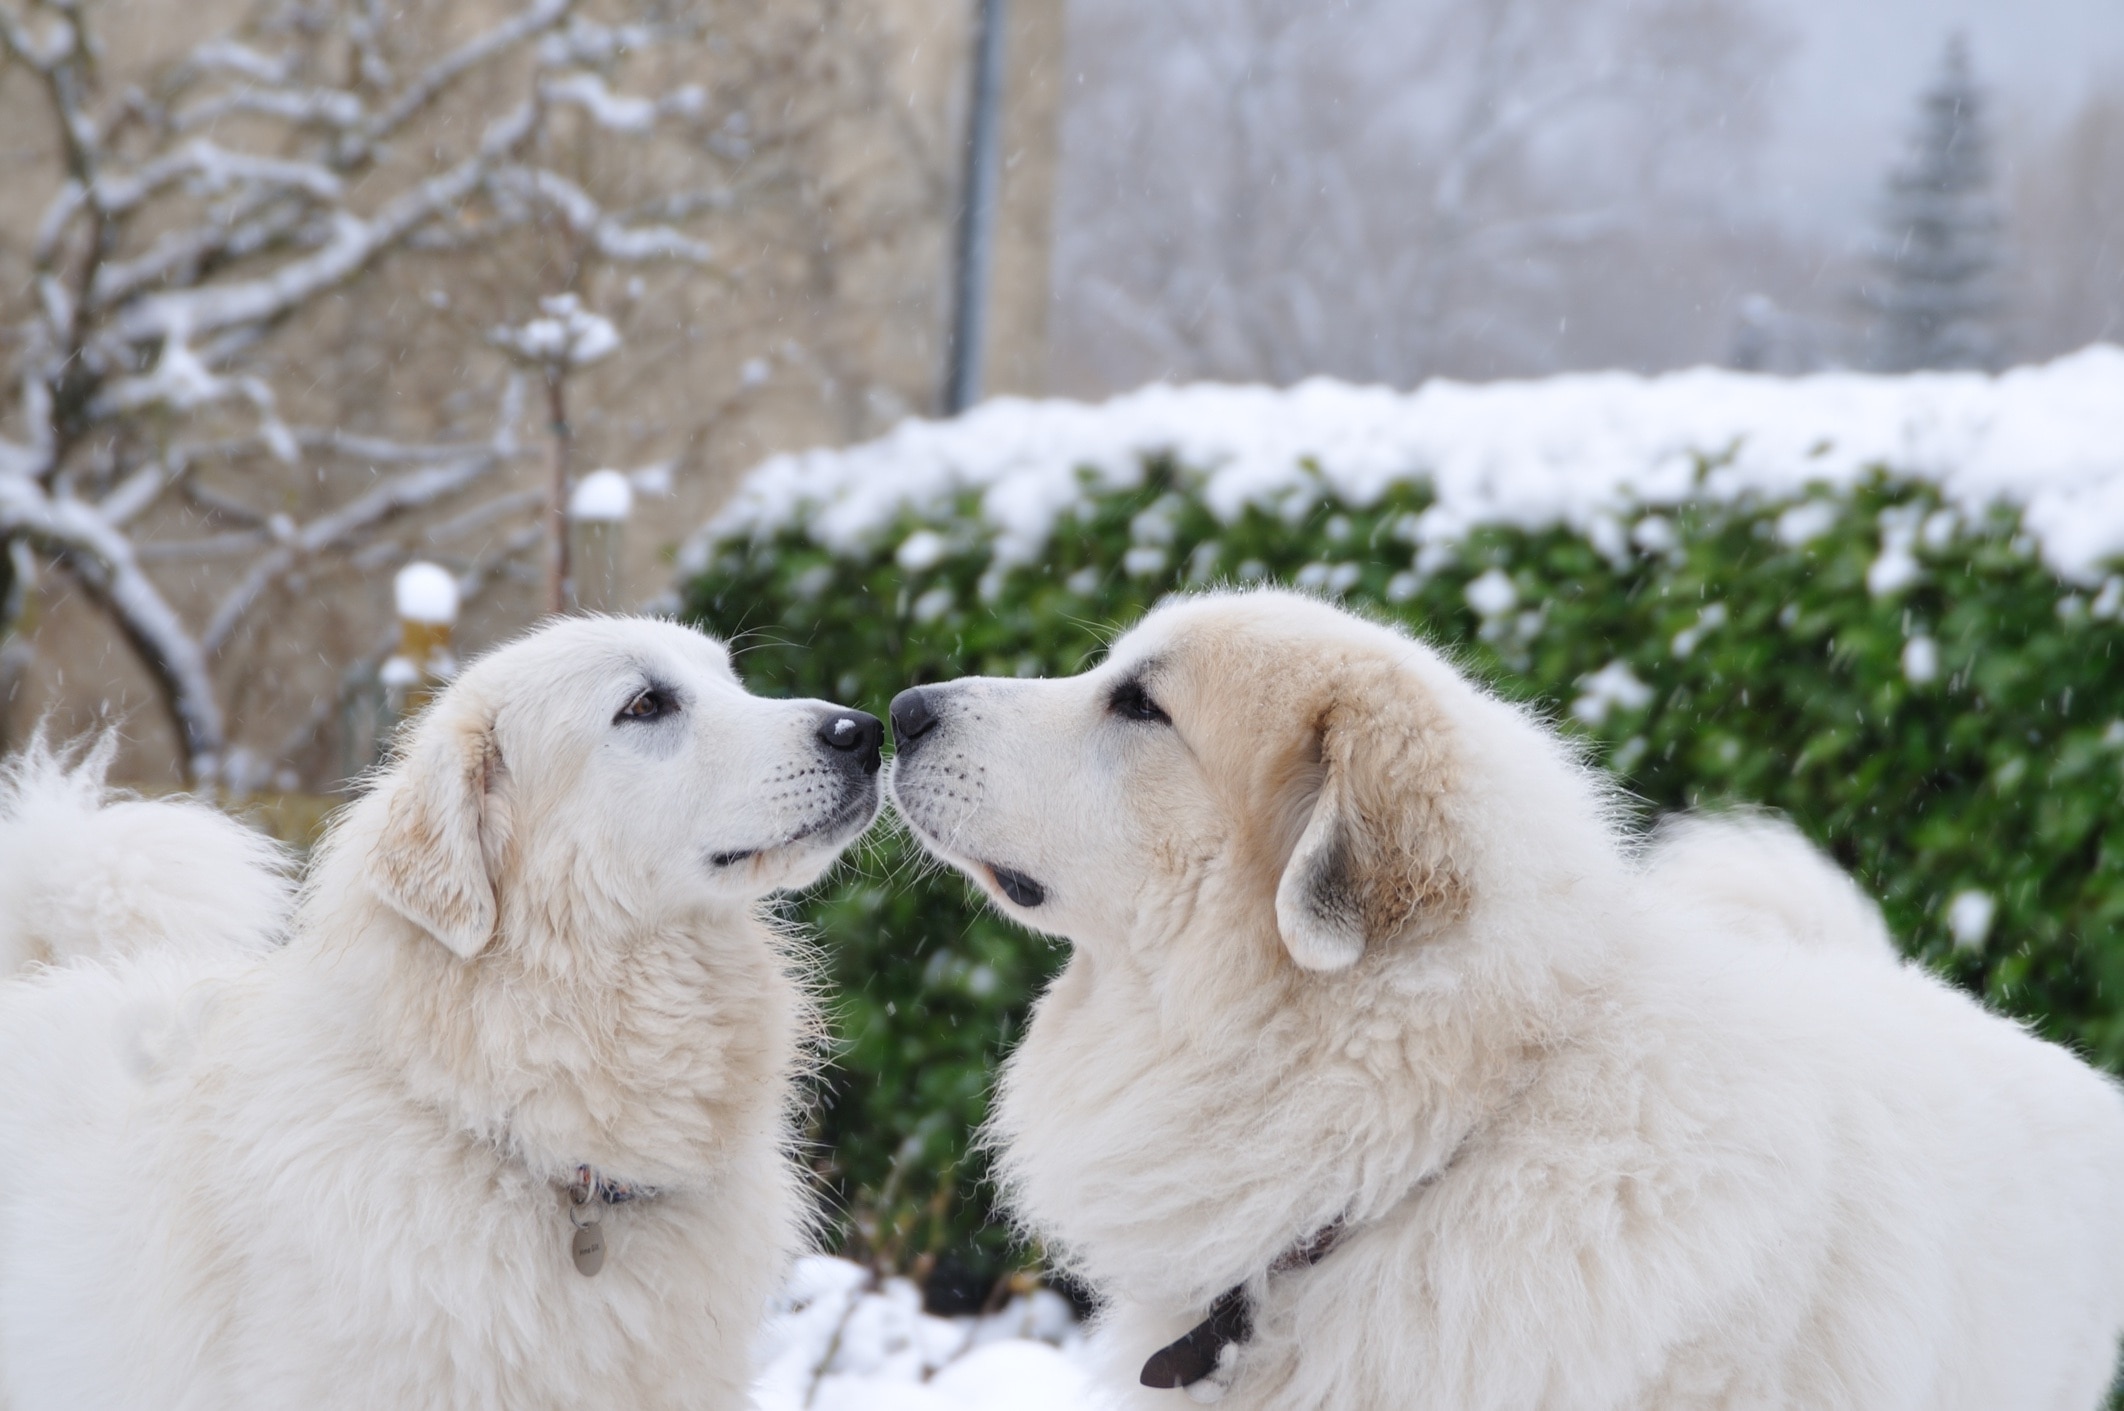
(1389,191)
(1385,191)
(1934,297)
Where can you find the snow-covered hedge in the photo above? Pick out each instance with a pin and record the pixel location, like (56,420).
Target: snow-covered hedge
(1885,605)
(1569,449)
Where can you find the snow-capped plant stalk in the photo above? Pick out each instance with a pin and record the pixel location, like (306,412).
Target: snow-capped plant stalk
(197,218)
(427,598)
(598,508)
(557,493)
(564,337)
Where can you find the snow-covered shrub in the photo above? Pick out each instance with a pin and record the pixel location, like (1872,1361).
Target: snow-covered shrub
(1896,666)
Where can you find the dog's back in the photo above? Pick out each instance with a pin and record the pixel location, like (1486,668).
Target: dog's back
(1967,1169)
(1755,874)
(86,873)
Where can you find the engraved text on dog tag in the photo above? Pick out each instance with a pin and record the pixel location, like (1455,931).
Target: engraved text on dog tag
(589,1250)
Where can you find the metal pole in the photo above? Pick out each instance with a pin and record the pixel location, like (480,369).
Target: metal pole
(977,211)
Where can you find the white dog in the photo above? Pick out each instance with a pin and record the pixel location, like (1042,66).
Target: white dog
(1383,1074)
(527,1025)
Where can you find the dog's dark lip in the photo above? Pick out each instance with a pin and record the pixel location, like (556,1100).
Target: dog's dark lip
(853,815)
(1017,886)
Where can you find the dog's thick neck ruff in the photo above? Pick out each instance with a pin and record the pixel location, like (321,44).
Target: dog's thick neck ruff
(1210,1344)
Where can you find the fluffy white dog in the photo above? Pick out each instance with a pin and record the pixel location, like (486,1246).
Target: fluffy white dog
(1384,1073)
(527,1025)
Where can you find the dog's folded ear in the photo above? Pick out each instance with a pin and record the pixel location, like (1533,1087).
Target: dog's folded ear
(434,860)
(1375,860)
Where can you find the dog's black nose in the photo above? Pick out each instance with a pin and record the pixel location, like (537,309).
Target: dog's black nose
(912,718)
(855,733)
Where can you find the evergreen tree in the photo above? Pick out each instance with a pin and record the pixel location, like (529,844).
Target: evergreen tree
(1933,297)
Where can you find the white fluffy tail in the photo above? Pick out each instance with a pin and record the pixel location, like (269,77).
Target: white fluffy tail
(88,872)
(1760,875)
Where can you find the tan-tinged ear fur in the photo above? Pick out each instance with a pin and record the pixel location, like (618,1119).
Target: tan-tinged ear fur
(1375,859)
(434,860)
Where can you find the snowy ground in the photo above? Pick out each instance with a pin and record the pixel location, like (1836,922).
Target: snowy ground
(1574,448)
(841,1341)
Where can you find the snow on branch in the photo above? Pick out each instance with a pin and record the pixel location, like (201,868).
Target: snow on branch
(134,494)
(226,55)
(623,114)
(327,107)
(59,44)
(19,462)
(413,490)
(381,449)
(534,21)
(565,335)
(216,169)
(179,256)
(519,190)
(354,244)
(182,382)
(590,44)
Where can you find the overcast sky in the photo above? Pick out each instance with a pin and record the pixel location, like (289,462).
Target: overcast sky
(1850,87)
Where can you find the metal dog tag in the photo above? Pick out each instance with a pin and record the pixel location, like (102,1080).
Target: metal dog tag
(589,1250)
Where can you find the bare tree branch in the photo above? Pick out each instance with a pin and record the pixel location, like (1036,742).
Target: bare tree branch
(1381,191)
(103,559)
(355,244)
(540,17)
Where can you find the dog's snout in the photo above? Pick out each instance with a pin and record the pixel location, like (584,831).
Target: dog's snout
(912,718)
(855,733)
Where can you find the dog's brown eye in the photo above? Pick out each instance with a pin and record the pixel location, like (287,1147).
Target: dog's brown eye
(650,703)
(1131,702)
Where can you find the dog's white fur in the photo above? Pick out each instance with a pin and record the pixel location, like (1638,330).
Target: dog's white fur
(86,874)
(1351,938)
(326,1175)
(1754,875)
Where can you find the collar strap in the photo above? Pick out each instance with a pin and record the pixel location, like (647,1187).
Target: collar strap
(1204,1347)
(590,1183)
